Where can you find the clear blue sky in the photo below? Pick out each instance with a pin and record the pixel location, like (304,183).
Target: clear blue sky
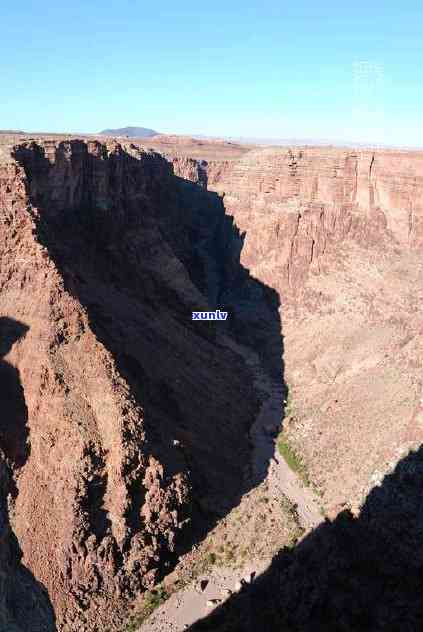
(273,68)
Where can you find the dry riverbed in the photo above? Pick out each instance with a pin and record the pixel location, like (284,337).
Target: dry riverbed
(279,510)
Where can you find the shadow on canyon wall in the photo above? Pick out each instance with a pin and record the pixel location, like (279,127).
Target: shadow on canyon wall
(355,574)
(14,414)
(103,249)
(24,602)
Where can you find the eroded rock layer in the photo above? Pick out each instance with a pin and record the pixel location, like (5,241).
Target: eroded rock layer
(302,202)
(339,234)
(129,411)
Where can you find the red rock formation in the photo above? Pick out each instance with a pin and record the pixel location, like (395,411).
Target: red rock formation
(130,406)
(300,201)
(338,233)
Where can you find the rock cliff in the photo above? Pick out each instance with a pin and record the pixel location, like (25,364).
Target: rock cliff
(302,202)
(133,412)
(339,234)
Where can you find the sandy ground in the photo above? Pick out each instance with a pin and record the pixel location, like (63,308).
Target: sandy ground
(185,607)
(196,600)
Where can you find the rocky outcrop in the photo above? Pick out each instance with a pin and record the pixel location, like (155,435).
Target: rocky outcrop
(134,413)
(190,169)
(296,204)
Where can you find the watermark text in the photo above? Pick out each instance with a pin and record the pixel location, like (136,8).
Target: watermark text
(216,315)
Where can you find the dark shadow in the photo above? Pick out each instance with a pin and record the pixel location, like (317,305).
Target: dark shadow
(355,574)
(14,414)
(24,602)
(116,240)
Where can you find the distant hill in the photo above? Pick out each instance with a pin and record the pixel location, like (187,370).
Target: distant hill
(11,131)
(130,132)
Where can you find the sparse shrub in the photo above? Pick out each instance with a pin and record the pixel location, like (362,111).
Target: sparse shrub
(152,600)
(289,406)
(155,597)
(292,459)
(291,510)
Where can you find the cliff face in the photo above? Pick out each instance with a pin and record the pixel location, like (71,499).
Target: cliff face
(302,202)
(339,234)
(132,411)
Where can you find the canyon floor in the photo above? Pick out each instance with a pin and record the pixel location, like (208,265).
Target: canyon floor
(280,503)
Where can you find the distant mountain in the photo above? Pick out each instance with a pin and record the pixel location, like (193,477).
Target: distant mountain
(11,131)
(130,132)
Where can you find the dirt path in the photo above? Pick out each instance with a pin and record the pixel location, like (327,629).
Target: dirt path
(194,602)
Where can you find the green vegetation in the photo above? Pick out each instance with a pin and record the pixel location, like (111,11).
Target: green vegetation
(291,510)
(286,450)
(230,556)
(152,600)
(289,406)
(155,598)
(292,458)
(224,554)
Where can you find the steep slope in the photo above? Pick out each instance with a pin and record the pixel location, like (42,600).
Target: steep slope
(339,234)
(134,413)
(22,597)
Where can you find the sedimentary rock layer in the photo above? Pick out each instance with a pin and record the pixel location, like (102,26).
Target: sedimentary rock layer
(339,234)
(130,412)
(295,204)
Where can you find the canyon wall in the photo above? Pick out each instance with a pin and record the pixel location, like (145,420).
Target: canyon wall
(339,234)
(131,414)
(303,201)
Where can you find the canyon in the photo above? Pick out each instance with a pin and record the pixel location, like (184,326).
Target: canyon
(128,430)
